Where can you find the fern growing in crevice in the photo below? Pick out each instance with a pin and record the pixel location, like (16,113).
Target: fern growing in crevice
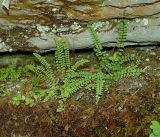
(122,33)
(117,65)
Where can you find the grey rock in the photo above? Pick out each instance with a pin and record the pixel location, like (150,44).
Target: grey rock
(35,28)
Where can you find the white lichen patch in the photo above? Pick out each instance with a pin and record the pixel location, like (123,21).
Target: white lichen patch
(107,22)
(83,8)
(137,20)
(145,22)
(62,28)
(42,29)
(2,44)
(97,25)
(75,26)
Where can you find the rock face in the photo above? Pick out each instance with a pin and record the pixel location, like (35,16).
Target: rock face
(33,25)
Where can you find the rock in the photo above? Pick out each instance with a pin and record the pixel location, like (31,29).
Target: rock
(33,25)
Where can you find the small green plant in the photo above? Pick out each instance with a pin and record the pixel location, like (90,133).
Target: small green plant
(28,101)
(12,72)
(61,106)
(155,129)
(17,100)
(21,98)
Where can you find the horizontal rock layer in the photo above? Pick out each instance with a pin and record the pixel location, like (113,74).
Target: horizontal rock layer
(33,25)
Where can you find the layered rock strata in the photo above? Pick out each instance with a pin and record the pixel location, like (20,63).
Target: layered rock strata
(33,25)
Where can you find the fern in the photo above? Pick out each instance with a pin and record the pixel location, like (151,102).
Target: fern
(42,61)
(118,59)
(115,65)
(74,80)
(67,55)
(78,64)
(122,33)
(62,55)
(71,87)
(71,80)
(132,70)
(59,55)
(99,85)
(44,71)
(81,74)
(50,93)
(98,47)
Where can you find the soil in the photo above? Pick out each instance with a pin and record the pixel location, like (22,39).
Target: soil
(126,109)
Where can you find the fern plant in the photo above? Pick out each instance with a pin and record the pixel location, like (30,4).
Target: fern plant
(45,74)
(116,66)
(115,61)
(70,80)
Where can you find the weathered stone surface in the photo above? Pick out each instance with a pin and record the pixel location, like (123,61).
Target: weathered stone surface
(33,25)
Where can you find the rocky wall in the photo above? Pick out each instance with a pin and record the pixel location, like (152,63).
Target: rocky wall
(32,25)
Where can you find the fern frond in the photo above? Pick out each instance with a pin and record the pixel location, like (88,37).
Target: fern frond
(45,71)
(79,64)
(98,47)
(122,33)
(42,61)
(59,55)
(101,55)
(67,54)
(47,75)
(99,85)
(81,74)
(121,57)
(62,55)
(71,87)
(44,94)
(50,94)
(131,70)
(12,72)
